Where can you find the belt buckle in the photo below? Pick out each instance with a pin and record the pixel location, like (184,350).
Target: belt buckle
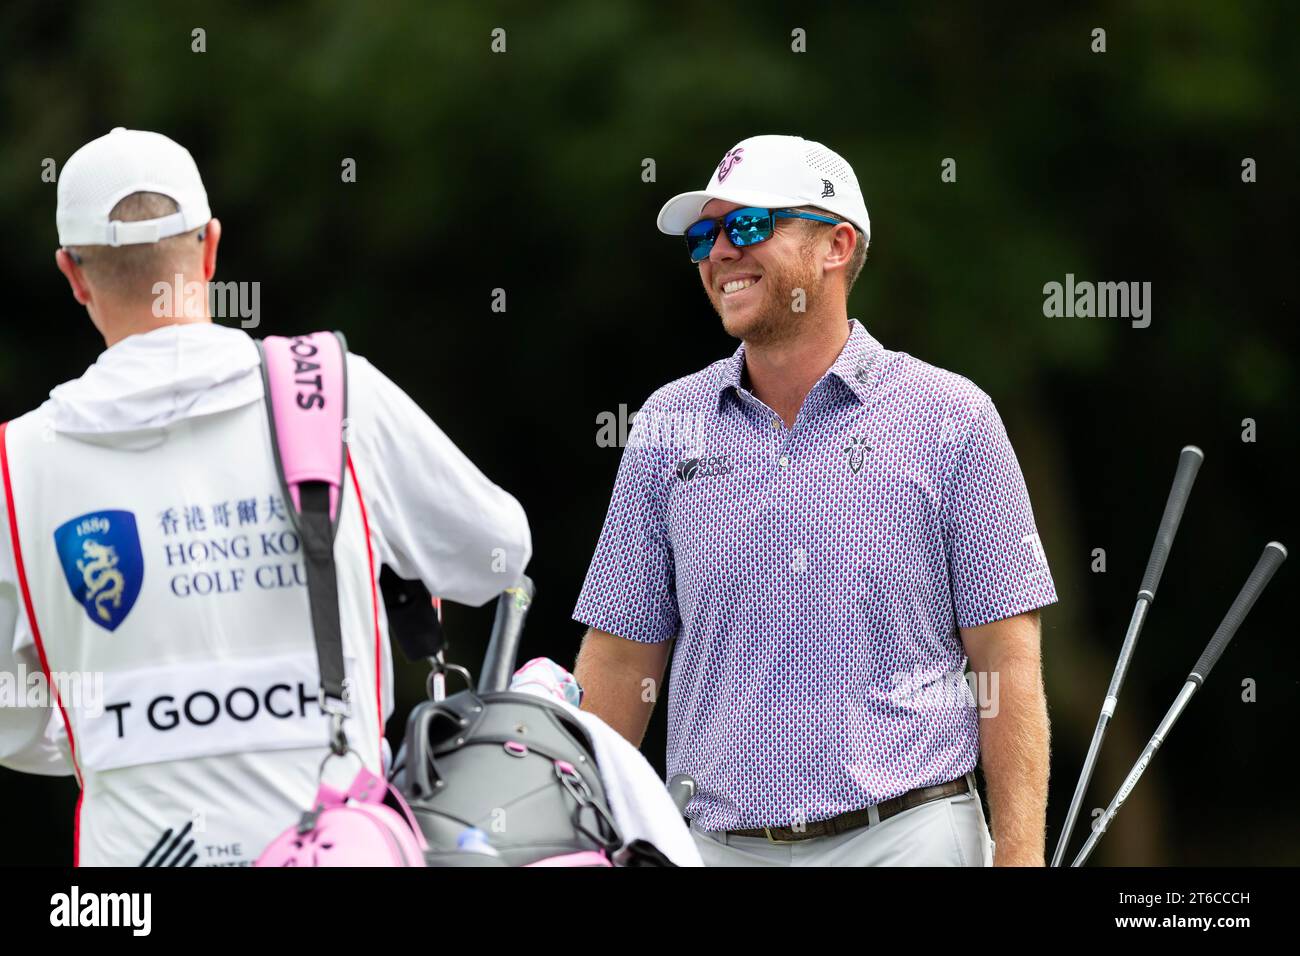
(767,832)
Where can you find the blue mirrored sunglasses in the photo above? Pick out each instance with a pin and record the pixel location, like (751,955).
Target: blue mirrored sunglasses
(745,227)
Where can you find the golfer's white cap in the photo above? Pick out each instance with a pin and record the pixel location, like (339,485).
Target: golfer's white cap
(775,172)
(106,170)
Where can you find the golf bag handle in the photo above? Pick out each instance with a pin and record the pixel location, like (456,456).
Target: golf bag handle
(507,628)
(1189,463)
(419,775)
(1272,558)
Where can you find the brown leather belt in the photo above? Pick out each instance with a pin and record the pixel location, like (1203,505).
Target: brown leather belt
(854,819)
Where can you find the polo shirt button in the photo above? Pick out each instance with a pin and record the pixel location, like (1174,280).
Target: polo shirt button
(784,461)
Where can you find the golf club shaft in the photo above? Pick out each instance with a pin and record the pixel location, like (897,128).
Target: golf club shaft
(1189,463)
(507,629)
(1267,565)
(1131,780)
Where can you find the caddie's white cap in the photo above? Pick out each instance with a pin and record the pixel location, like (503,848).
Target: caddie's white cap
(775,172)
(106,170)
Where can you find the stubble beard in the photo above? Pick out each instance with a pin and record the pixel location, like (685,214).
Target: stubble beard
(775,321)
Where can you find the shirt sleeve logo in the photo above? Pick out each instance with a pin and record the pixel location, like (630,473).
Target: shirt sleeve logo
(103,564)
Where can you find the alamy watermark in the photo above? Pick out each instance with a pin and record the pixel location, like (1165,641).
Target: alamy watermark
(655,429)
(131,911)
(1086,300)
(918,689)
(81,691)
(225,300)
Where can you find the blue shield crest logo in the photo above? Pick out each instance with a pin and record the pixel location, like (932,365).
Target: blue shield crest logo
(101,558)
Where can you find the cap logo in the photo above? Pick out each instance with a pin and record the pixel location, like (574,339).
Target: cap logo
(728,161)
(827,189)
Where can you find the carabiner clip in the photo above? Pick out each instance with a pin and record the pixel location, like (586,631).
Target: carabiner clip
(573,782)
(337,710)
(338,739)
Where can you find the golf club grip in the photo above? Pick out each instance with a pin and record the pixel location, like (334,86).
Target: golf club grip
(507,628)
(681,788)
(1272,558)
(1189,463)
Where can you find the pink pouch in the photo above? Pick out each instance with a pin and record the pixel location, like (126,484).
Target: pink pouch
(356,828)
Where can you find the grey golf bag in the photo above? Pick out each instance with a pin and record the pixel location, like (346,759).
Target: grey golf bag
(518,768)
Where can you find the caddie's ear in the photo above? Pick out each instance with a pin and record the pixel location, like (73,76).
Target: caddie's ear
(71,269)
(211,236)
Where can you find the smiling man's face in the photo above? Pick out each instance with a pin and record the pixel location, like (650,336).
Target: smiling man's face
(752,287)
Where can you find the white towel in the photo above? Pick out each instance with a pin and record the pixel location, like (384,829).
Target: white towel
(639,800)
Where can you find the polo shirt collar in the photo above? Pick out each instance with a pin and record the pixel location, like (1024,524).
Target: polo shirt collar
(857,361)
(854,366)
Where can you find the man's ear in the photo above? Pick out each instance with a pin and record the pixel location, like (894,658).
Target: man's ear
(72,272)
(844,239)
(211,237)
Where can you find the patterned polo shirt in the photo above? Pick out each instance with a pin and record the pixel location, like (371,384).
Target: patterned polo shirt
(814,578)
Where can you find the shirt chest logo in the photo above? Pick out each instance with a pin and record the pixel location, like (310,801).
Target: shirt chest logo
(689,469)
(856,450)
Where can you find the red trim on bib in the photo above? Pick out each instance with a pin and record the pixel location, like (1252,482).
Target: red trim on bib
(36,631)
(76,829)
(374,604)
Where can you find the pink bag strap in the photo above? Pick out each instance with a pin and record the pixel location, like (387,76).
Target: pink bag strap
(305,380)
(306,391)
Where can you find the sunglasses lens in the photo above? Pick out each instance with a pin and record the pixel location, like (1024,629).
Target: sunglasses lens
(746,227)
(699,239)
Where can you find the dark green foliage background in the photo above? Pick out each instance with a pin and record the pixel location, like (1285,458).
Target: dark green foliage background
(523,171)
